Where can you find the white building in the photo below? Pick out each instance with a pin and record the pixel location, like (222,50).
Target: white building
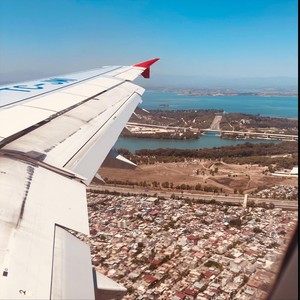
(294,171)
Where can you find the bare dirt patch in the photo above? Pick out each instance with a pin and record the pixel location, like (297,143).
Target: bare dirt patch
(244,178)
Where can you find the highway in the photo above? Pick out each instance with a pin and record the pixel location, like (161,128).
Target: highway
(167,194)
(263,134)
(156,126)
(215,126)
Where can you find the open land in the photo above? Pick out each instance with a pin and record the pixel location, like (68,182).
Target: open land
(227,178)
(240,169)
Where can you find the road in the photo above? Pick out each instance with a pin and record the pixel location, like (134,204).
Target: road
(155,126)
(167,194)
(215,126)
(265,134)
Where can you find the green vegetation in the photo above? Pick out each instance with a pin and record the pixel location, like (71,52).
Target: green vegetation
(176,118)
(212,263)
(203,119)
(257,230)
(247,153)
(242,122)
(235,223)
(166,184)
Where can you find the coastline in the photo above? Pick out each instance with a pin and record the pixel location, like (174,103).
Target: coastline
(272,106)
(192,129)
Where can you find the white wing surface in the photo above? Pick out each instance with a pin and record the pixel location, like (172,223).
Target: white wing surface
(54,135)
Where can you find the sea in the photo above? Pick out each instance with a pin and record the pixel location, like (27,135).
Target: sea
(273,106)
(283,107)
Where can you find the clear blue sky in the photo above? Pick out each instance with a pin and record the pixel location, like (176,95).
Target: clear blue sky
(196,38)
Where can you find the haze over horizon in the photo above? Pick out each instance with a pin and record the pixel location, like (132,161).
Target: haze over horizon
(233,44)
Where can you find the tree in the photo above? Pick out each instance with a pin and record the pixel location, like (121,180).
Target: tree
(165,259)
(140,244)
(130,290)
(235,223)
(264,205)
(257,230)
(271,169)
(273,245)
(198,187)
(250,203)
(165,184)
(271,205)
(185,273)
(155,183)
(152,267)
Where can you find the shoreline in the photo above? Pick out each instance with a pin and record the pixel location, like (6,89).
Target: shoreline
(191,124)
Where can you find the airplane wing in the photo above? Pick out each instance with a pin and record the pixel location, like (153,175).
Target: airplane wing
(54,135)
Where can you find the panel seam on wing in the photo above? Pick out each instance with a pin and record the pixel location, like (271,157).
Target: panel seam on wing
(112,115)
(27,159)
(17,135)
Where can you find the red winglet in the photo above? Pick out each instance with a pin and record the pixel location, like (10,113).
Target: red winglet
(146,64)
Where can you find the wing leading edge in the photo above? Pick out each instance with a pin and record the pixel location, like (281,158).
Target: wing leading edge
(54,135)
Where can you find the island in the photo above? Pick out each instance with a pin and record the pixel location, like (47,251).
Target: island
(191,124)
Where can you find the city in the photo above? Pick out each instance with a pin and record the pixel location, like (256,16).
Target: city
(175,249)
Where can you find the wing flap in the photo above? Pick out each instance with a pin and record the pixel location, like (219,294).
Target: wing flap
(106,288)
(72,135)
(72,276)
(87,161)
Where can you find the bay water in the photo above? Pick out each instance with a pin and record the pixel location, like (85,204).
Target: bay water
(282,107)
